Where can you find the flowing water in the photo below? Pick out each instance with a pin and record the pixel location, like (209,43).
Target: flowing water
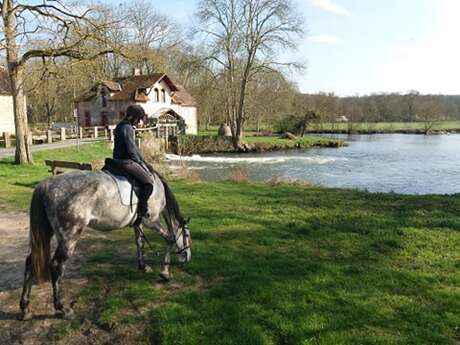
(402,163)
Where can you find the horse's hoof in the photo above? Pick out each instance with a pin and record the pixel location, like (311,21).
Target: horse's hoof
(25,316)
(146,269)
(66,314)
(165,276)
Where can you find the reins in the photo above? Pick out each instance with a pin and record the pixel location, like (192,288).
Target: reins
(170,227)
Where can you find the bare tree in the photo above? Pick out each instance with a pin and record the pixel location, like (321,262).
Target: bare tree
(150,33)
(243,38)
(428,111)
(63,31)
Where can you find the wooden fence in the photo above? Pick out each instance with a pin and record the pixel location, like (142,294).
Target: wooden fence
(84,133)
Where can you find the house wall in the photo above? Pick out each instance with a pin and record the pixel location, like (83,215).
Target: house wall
(188,113)
(6,114)
(95,108)
(113,109)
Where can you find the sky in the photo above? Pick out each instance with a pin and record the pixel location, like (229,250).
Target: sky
(357,47)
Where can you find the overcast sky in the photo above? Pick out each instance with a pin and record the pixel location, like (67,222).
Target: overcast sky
(364,46)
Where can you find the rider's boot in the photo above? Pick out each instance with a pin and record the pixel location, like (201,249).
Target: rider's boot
(142,212)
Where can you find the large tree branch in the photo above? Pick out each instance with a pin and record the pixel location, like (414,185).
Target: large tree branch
(61,52)
(46,10)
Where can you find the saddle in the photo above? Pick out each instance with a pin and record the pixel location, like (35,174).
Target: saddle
(128,188)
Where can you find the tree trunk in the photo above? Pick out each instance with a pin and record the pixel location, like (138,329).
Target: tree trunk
(16,72)
(23,138)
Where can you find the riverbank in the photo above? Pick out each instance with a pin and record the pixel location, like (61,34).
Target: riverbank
(271,264)
(206,144)
(385,131)
(438,127)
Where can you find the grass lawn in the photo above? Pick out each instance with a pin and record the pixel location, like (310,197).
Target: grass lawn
(278,265)
(391,126)
(16,182)
(365,126)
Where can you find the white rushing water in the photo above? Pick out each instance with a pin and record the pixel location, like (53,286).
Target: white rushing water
(255,160)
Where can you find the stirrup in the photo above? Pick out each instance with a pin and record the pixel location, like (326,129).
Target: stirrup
(138,221)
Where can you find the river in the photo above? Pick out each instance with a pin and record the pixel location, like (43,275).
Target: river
(401,163)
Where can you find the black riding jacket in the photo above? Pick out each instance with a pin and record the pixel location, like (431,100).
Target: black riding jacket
(125,145)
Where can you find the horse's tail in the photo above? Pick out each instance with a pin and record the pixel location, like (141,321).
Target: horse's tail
(41,232)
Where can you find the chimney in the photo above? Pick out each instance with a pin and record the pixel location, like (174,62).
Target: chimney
(136,71)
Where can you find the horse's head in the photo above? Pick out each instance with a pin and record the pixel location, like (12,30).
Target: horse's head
(183,241)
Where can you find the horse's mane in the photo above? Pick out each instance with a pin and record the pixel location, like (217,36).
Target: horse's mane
(171,201)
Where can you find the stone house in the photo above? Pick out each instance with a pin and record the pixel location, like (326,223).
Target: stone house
(162,99)
(6,103)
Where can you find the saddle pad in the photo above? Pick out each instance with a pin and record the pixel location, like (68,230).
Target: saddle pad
(125,190)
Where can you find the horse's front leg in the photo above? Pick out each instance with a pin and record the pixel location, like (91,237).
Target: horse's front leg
(140,251)
(165,274)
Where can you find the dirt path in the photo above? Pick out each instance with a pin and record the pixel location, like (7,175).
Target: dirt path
(14,232)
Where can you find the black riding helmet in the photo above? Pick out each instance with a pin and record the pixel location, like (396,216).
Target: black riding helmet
(135,113)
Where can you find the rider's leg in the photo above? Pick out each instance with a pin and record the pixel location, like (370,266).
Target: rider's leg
(144,196)
(144,178)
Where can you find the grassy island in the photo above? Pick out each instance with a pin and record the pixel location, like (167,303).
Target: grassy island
(212,144)
(273,264)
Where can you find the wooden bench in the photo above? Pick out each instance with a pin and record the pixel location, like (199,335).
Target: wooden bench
(58,167)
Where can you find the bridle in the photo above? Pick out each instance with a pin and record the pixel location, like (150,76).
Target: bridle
(185,232)
(173,239)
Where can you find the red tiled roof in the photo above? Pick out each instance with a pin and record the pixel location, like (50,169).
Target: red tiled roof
(130,86)
(131,89)
(112,85)
(182,97)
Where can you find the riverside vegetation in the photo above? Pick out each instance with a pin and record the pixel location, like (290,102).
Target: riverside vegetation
(211,143)
(272,264)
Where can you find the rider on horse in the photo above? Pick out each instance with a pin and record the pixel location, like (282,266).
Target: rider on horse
(125,153)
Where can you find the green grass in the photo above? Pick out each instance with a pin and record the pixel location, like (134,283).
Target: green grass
(206,142)
(285,265)
(304,142)
(17,182)
(281,265)
(365,126)
(391,126)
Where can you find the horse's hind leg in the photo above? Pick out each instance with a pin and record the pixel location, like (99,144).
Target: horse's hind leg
(26,314)
(63,252)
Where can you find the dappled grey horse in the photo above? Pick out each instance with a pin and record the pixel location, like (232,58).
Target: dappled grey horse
(65,204)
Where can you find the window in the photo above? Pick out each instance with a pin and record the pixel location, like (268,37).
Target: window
(163,96)
(87,119)
(104,98)
(104,119)
(156,95)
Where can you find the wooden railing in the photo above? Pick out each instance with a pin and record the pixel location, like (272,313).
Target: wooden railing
(61,134)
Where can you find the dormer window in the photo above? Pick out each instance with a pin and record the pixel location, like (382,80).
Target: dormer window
(157,98)
(163,96)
